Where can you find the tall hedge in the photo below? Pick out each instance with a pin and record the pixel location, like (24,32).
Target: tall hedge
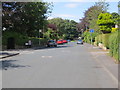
(105,40)
(113,45)
(19,38)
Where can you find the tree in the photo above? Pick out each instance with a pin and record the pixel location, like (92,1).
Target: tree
(25,17)
(105,22)
(116,18)
(89,21)
(65,28)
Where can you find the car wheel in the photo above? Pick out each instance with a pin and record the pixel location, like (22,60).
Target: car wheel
(55,45)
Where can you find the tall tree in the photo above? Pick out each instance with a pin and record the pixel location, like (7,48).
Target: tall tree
(65,28)
(25,17)
(89,21)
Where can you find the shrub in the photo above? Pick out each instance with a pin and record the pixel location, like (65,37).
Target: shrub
(113,45)
(88,35)
(19,38)
(35,41)
(114,29)
(100,38)
(96,40)
(105,40)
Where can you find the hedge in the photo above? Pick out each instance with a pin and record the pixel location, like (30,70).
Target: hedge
(88,35)
(105,39)
(19,38)
(35,41)
(114,47)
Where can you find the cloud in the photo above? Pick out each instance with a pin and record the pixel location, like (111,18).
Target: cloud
(71,5)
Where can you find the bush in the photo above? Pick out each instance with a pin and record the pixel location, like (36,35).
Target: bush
(105,40)
(114,29)
(35,41)
(113,45)
(87,37)
(19,38)
(100,38)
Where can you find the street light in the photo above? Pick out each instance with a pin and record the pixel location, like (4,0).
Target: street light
(39,35)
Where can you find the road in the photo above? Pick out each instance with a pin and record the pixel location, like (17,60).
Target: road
(67,66)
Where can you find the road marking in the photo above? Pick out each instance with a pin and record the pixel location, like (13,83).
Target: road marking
(46,56)
(26,52)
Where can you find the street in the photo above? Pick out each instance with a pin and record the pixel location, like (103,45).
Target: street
(65,66)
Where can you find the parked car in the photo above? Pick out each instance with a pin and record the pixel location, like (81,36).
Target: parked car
(79,42)
(68,40)
(51,43)
(60,42)
(65,41)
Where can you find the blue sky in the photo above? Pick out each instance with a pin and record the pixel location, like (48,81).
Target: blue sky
(75,10)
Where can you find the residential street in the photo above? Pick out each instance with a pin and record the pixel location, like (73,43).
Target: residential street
(66,66)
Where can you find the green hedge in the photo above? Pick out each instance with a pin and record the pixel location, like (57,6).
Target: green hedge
(19,38)
(35,41)
(88,35)
(113,45)
(105,39)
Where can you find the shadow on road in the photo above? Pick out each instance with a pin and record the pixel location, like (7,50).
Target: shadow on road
(4,65)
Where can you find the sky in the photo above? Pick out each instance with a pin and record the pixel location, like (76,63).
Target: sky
(75,10)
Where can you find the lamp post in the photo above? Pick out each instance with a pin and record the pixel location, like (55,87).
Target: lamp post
(39,35)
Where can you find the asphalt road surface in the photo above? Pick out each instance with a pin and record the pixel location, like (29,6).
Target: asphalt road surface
(67,66)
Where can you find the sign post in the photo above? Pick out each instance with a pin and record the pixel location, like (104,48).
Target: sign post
(91,31)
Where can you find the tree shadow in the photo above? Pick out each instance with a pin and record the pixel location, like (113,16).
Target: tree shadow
(9,64)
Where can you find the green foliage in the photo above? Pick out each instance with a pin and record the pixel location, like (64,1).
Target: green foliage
(105,22)
(65,28)
(20,39)
(99,38)
(25,17)
(87,36)
(35,41)
(114,45)
(50,34)
(105,40)
(114,29)
(116,17)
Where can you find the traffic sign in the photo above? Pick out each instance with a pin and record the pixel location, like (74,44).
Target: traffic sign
(91,30)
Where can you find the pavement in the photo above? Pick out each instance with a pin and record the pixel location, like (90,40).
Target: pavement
(14,52)
(66,66)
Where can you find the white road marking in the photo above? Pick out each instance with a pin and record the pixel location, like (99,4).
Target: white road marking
(46,56)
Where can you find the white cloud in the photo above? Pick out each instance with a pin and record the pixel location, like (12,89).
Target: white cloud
(71,5)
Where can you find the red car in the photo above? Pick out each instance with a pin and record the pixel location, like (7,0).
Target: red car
(60,42)
(65,41)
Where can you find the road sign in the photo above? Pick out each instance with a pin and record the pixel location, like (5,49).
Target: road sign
(91,30)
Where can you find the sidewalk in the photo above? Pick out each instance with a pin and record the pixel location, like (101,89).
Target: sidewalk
(5,54)
(13,52)
(106,61)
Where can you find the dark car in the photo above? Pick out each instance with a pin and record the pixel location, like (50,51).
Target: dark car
(51,43)
(79,42)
